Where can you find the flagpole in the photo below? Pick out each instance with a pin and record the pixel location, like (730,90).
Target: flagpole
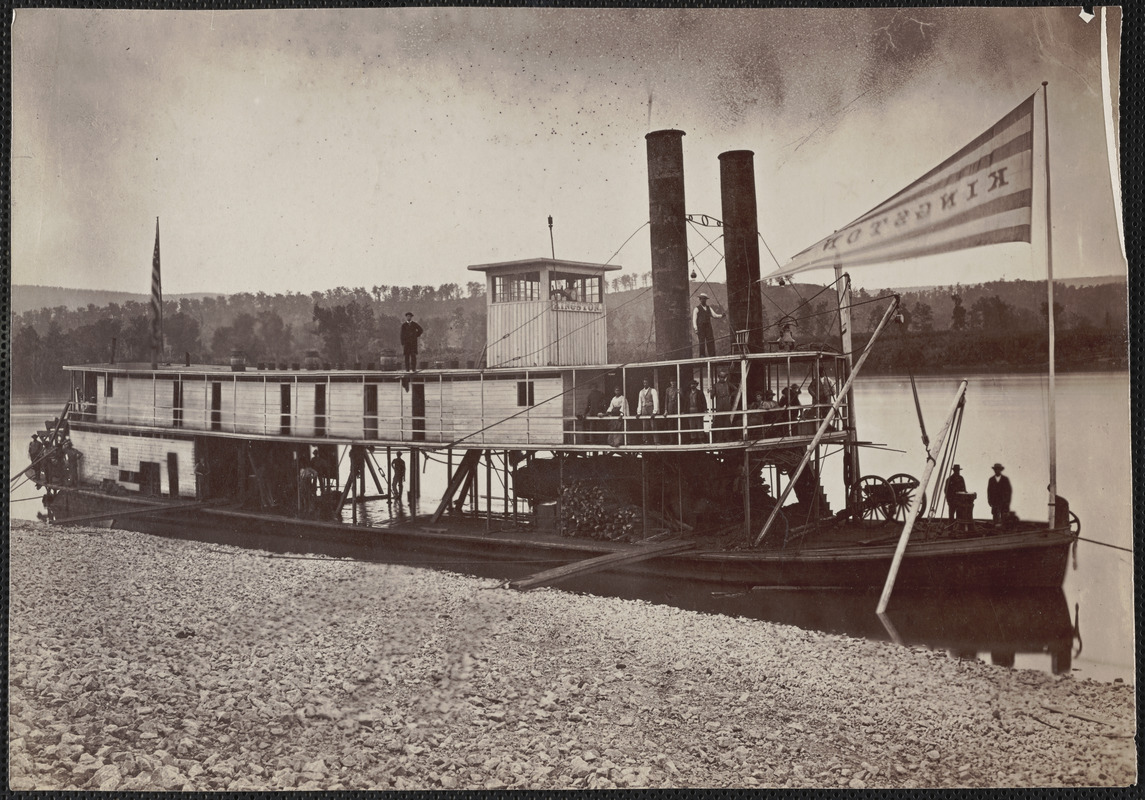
(156,304)
(1053,486)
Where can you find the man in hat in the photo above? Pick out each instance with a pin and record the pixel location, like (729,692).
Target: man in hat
(35,450)
(410,333)
(998,494)
(671,420)
(702,324)
(647,408)
(955,487)
(696,406)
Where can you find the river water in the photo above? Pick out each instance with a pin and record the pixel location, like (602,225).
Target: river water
(1005,420)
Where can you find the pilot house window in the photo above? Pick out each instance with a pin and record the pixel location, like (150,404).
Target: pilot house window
(574,288)
(512,288)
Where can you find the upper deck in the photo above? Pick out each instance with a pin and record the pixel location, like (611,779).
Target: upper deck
(539,408)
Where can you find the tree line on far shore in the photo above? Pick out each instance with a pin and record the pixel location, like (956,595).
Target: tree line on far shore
(992,326)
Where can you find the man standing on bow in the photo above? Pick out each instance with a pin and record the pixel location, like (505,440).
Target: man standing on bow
(410,333)
(998,494)
(702,324)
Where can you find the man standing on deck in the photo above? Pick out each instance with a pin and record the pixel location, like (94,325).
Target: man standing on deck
(647,407)
(397,477)
(72,463)
(702,324)
(671,413)
(721,403)
(697,405)
(998,494)
(955,489)
(35,451)
(410,333)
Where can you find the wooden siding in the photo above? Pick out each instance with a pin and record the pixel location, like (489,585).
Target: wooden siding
(473,408)
(95,466)
(534,334)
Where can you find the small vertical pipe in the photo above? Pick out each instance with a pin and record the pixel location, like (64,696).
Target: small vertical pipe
(415,479)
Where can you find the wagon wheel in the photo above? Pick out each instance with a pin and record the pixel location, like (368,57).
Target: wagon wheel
(904,486)
(873,499)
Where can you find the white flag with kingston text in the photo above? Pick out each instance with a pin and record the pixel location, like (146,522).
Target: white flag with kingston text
(981,195)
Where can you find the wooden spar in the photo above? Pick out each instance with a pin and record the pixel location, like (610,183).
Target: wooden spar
(830,415)
(1050,410)
(850,450)
(373,472)
(916,506)
(136,512)
(598,563)
(468,463)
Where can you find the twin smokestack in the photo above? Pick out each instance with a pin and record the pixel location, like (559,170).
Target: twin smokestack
(671,304)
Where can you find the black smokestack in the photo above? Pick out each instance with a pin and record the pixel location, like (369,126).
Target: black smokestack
(669,244)
(741,245)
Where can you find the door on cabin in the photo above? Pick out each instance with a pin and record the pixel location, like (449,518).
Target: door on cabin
(216,406)
(173,474)
(90,395)
(149,478)
(417,411)
(370,411)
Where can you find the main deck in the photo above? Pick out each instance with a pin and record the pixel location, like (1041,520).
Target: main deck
(540,408)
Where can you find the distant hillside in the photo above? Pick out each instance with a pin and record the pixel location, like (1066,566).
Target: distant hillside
(30,298)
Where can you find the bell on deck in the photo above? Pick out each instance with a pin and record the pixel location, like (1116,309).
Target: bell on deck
(238,361)
(313,360)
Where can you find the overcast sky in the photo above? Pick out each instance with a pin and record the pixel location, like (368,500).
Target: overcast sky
(302,150)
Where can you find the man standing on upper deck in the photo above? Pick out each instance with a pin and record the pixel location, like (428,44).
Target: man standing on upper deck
(697,405)
(702,324)
(998,494)
(410,333)
(647,407)
(671,413)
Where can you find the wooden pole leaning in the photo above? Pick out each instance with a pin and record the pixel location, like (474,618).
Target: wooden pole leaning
(826,423)
(916,506)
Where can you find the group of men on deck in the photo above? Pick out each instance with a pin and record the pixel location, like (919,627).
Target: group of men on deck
(999,493)
(658,422)
(53,464)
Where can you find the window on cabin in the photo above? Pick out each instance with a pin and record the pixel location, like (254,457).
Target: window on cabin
(109,387)
(115,456)
(514,288)
(575,288)
(525,393)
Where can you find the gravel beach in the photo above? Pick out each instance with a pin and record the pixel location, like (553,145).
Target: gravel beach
(141,663)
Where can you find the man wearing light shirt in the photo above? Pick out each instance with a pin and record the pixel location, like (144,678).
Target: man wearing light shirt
(647,407)
(618,410)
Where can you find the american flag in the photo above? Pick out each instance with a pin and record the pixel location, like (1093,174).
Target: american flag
(156,299)
(981,195)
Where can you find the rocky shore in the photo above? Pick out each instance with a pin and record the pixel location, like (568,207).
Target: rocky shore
(140,663)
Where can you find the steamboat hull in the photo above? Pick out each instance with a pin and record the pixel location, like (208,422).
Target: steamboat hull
(1032,556)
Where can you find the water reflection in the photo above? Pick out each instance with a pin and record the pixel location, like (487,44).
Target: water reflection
(997,625)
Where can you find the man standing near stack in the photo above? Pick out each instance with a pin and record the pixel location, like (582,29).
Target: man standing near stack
(702,324)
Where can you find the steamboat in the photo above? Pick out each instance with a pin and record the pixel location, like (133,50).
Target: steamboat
(558,463)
